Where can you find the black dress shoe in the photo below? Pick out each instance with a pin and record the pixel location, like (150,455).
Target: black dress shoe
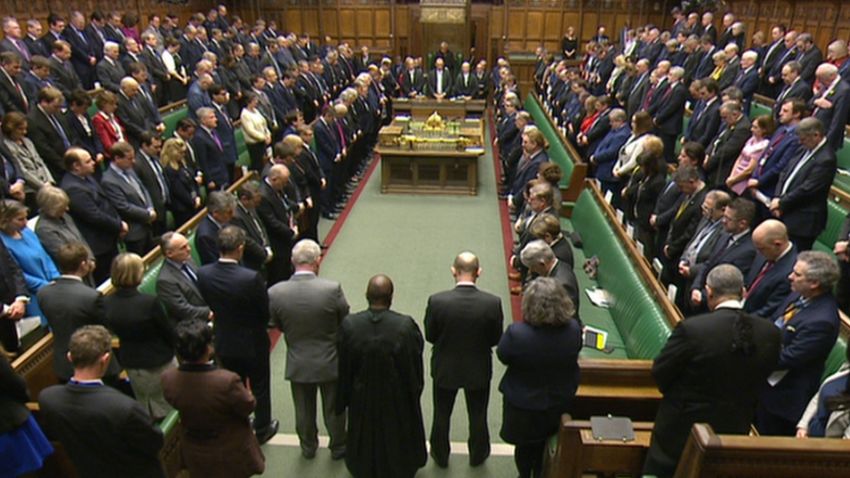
(478,460)
(442,462)
(267,432)
(338,454)
(308,454)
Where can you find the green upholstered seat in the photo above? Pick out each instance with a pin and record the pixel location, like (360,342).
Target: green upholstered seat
(835,219)
(148,285)
(758,109)
(843,155)
(836,358)
(557,152)
(171,119)
(639,320)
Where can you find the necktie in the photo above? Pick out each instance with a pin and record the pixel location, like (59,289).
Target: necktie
(341,135)
(160,179)
(215,138)
(189,273)
(22,49)
(60,130)
(682,207)
(131,179)
(789,312)
(765,268)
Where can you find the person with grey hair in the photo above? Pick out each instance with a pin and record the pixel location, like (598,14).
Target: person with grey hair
(809,322)
(809,56)
(309,310)
(542,375)
(717,362)
(540,260)
(608,152)
(803,187)
(277,210)
(177,282)
(221,206)
(239,299)
(667,112)
(110,71)
(747,79)
(832,104)
(209,149)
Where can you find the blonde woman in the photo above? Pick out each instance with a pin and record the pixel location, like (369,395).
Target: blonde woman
(185,194)
(256,131)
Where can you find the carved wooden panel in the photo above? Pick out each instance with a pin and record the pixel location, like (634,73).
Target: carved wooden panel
(347,20)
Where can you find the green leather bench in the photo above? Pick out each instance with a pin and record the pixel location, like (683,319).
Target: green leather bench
(638,321)
(557,152)
(834,221)
(171,119)
(836,358)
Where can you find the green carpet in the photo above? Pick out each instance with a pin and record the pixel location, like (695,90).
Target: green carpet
(413,239)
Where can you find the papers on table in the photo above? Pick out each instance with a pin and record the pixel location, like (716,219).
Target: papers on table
(27,325)
(776,377)
(600,297)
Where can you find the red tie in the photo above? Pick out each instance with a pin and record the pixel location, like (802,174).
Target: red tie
(341,135)
(767,266)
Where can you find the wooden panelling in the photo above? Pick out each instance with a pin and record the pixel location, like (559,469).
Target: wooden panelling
(364,23)
(382,23)
(552,26)
(347,20)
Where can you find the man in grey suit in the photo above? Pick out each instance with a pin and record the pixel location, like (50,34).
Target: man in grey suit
(109,70)
(68,304)
(309,311)
(130,198)
(176,285)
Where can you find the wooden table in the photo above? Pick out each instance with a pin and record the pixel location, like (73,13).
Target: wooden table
(578,453)
(430,172)
(423,107)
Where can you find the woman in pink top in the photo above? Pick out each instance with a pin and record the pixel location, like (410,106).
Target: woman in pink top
(762,130)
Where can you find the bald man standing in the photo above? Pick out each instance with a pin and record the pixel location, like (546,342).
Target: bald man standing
(380,383)
(464,324)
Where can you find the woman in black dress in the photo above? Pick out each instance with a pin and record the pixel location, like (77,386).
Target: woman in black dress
(569,44)
(185,194)
(542,376)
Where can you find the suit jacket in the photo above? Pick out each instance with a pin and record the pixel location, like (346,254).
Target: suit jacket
(809,61)
(724,150)
(798,89)
(598,129)
(464,324)
(210,157)
(134,118)
(64,77)
(527,170)
(69,304)
(82,137)
(803,204)
(668,116)
(110,74)
(703,379)
(565,276)
(465,88)
(765,298)
(309,311)
(607,152)
(25,53)
(740,253)
(105,432)
(205,240)
(684,224)
(32,85)
(704,125)
(106,131)
(151,174)
(12,285)
(275,214)
(446,83)
(47,141)
(637,94)
(238,297)
(147,335)
(835,119)
(132,208)
(96,218)
(82,49)
(225,132)
(256,242)
(156,67)
(12,95)
(407,86)
(542,365)
(214,402)
(748,82)
(784,146)
(179,294)
(807,340)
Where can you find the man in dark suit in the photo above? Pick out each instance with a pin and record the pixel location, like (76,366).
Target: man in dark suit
(257,247)
(767,283)
(224,128)
(704,125)
(639,88)
(668,116)
(222,207)
(784,145)
(80,128)
(48,131)
(315,178)
(68,303)
(156,67)
(109,71)
(14,296)
(772,53)
(809,321)
(150,173)
(832,105)
(238,298)
(685,220)
(541,262)
(748,78)
(12,95)
(465,84)
(463,324)
(95,217)
(177,282)
(548,229)
(131,113)
(411,80)
(61,70)
(105,432)
(33,38)
(439,80)
(13,41)
(803,187)
(129,197)
(55,27)
(809,56)
(209,150)
(276,211)
(734,247)
(308,310)
(793,87)
(721,154)
(37,78)
(600,127)
(711,370)
(698,251)
(83,51)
